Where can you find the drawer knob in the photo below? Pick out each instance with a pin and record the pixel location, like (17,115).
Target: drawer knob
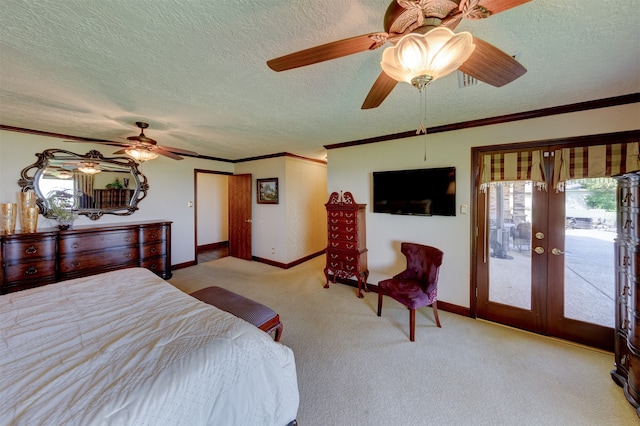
(154,235)
(75,263)
(153,267)
(154,249)
(31,250)
(31,270)
(75,245)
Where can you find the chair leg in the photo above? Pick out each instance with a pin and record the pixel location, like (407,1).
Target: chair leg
(412,325)
(379,302)
(277,332)
(434,305)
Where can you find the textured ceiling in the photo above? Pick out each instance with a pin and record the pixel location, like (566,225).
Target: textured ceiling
(196,70)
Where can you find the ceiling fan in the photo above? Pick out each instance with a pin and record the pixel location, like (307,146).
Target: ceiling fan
(143,145)
(487,63)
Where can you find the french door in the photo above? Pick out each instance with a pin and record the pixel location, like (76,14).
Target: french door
(545,259)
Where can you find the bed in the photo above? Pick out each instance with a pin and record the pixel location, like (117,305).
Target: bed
(128,348)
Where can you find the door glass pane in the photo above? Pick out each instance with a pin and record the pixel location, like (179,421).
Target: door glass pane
(589,292)
(510,244)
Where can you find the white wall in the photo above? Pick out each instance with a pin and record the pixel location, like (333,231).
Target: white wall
(296,226)
(171,186)
(213,208)
(306,192)
(350,169)
(268,220)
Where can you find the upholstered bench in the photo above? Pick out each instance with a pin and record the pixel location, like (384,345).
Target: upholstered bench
(253,312)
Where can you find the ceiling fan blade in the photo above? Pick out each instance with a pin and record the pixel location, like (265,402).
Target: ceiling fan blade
(325,52)
(379,91)
(497,6)
(178,150)
(489,64)
(166,153)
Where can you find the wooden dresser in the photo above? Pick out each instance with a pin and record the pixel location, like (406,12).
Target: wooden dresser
(347,248)
(33,259)
(627,257)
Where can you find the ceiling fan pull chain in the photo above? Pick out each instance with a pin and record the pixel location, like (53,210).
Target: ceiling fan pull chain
(423,120)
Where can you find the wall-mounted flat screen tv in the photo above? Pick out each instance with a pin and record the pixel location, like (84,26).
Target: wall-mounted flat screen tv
(425,192)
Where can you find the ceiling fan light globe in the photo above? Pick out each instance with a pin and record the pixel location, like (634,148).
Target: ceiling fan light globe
(434,54)
(141,155)
(89,170)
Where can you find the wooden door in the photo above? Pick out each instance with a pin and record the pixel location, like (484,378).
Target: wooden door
(240,216)
(555,279)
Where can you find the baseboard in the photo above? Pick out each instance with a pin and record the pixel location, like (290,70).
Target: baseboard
(442,305)
(212,246)
(183,265)
(287,265)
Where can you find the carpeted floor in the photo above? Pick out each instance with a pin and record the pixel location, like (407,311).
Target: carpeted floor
(355,368)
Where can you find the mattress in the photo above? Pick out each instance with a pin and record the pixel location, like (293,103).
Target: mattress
(126,347)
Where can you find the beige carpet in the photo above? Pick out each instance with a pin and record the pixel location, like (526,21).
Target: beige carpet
(355,368)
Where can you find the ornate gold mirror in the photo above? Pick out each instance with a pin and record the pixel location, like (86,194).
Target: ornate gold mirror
(103,185)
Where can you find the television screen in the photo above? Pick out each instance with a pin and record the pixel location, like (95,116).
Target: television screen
(425,192)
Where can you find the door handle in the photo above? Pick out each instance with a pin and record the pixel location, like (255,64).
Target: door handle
(248,220)
(556,251)
(539,250)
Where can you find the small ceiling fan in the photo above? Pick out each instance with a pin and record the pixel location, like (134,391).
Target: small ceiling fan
(144,144)
(487,63)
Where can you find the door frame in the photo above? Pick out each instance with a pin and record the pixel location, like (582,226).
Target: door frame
(195,205)
(477,216)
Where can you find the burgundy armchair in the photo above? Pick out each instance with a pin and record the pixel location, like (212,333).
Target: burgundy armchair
(417,285)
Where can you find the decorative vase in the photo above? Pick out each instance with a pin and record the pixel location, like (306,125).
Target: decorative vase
(28,211)
(65,223)
(62,206)
(8,213)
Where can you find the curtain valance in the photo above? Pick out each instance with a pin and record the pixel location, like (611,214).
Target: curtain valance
(594,162)
(508,167)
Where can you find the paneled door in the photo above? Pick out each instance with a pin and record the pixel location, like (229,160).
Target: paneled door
(545,258)
(240,216)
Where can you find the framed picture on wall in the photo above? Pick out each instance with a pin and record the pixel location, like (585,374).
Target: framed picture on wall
(267,191)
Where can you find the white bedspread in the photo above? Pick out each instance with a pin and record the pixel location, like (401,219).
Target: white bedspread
(128,348)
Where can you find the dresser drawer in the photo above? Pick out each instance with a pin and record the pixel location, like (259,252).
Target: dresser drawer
(342,256)
(342,221)
(342,245)
(154,249)
(35,249)
(343,236)
(97,241)
(342,227)
(342,214)
(157,265)
(153,234)
(104,259)
(35,270)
